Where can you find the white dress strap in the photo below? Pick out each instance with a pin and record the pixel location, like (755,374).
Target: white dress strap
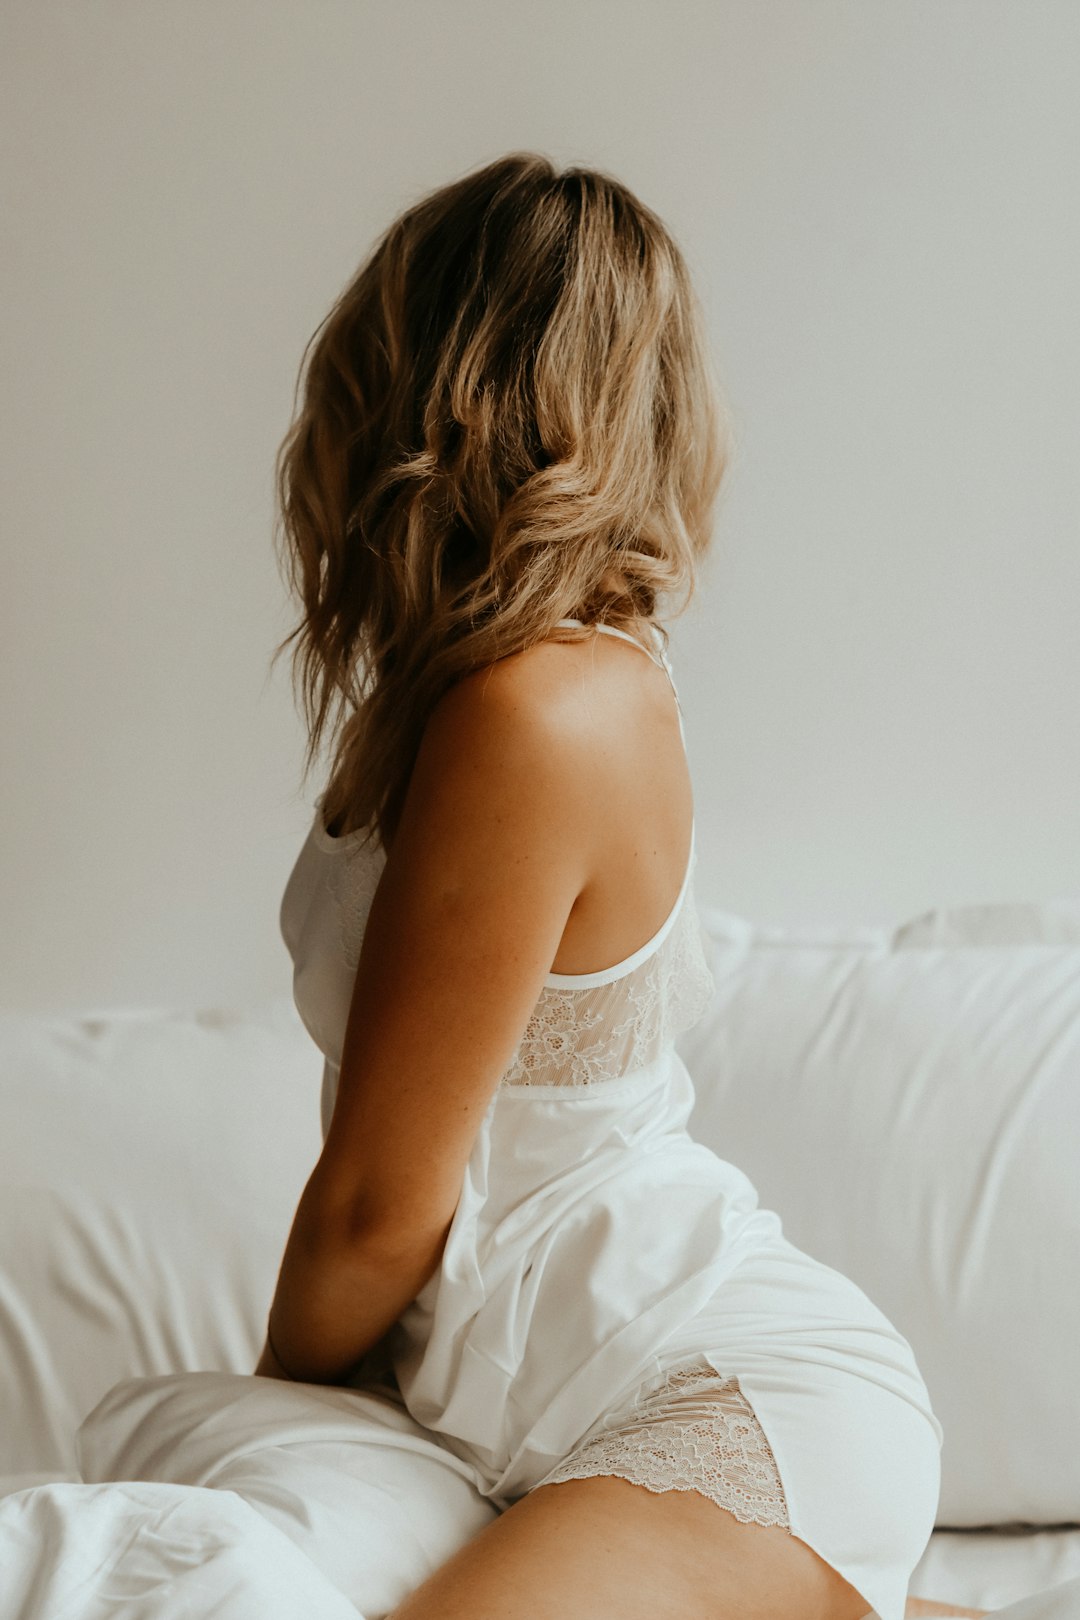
(658,657)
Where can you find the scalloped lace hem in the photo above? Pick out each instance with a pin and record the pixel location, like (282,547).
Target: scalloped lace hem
(696,1432)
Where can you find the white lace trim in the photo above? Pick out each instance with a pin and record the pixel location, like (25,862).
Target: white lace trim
(606,1031)
(696,1432)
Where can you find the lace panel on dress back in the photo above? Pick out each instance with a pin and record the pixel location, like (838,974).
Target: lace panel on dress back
(576,1037)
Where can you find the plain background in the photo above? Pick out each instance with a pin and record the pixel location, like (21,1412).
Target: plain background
(877,199)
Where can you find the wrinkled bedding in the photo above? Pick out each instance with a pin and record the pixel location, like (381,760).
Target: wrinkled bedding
(249,1499)
(153,1552)
(224,1494)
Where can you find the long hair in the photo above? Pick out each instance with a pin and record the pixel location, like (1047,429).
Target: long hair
(509,417)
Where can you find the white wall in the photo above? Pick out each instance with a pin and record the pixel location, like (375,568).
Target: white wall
(879,202)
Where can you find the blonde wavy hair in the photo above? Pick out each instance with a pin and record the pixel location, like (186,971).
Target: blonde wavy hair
(509,417)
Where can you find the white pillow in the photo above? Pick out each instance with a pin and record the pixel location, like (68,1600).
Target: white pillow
(150,1165)
(1051,922)
(912,1112)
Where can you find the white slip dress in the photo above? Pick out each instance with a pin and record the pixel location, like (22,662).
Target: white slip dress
(611,1299)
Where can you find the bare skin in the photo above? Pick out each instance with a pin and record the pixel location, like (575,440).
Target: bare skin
(603,1549)
(636,859)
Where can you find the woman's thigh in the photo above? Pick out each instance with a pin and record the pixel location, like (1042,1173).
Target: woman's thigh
(605,1549)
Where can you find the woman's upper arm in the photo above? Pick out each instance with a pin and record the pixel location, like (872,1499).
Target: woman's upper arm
(487,860)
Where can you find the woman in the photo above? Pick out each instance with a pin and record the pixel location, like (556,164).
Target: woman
(507,456)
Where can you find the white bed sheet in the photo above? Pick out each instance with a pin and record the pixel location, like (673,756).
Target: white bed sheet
(980,1568)
(147,1551)
(989,1569)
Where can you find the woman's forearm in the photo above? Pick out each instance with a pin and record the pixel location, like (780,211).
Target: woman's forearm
(341,1287)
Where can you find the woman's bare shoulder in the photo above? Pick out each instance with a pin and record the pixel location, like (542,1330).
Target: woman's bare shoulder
(521,718)
(590,725)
